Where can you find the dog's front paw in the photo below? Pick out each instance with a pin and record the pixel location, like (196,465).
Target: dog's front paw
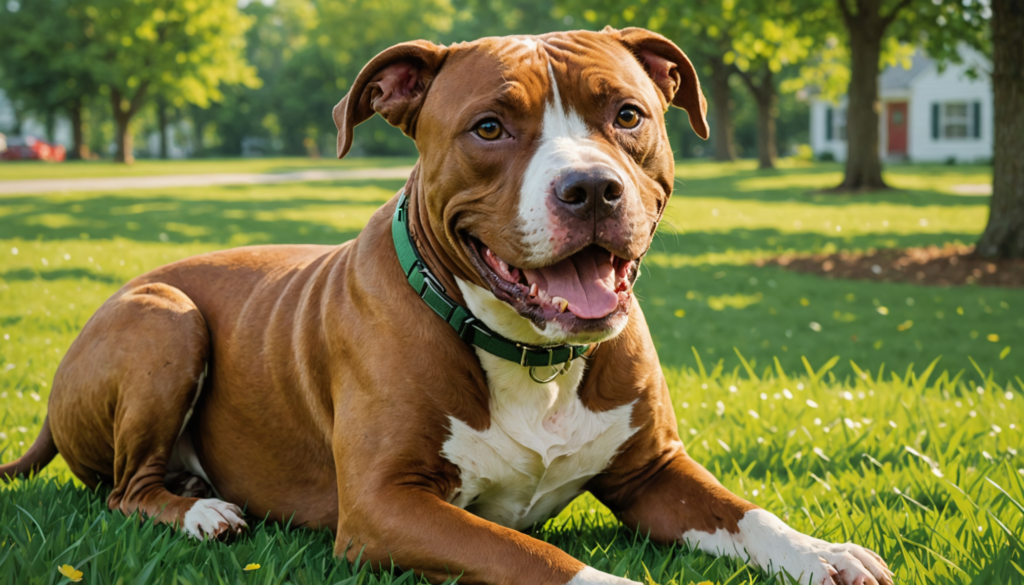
(835,564)
(212,518)
(777,548)
(591,576)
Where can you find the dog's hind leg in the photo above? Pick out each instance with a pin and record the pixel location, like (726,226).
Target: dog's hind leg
(121,399)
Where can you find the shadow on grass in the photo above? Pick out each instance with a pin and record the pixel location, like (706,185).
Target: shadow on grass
(163,217)
(769,312)
(771,186)
(767,239)
(24,274)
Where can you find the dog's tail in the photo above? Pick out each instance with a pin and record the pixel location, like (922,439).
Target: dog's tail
(37,457)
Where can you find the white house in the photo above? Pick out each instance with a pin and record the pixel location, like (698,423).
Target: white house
(925,115)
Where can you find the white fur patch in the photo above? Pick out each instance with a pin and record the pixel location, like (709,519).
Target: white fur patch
(210,517)
(542,445)
(768,543)
(591,576)
(565,142)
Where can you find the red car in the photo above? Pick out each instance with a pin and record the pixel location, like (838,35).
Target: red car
(32,148)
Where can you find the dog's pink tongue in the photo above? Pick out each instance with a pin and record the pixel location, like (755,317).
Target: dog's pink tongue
(585,279)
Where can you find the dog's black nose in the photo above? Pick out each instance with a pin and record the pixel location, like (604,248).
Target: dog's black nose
(592,193)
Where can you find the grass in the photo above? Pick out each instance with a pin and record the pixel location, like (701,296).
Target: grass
(919,463)
(21,170)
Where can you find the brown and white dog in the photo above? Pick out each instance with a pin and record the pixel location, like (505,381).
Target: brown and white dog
(335,396)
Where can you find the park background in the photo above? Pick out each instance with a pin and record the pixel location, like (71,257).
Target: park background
(837,349)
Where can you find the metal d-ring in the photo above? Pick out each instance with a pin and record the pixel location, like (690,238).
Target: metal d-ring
(533,374)
(551,360)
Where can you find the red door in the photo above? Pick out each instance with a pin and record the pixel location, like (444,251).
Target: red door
(897,127)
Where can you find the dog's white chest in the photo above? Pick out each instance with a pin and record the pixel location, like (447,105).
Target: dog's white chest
(542,445)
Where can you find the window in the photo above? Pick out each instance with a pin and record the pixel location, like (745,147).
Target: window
(954,120)
(840,122)
(835,123)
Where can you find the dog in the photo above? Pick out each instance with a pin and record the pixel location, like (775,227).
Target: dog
(468,365)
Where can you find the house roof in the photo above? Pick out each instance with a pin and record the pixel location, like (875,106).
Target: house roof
(899,78)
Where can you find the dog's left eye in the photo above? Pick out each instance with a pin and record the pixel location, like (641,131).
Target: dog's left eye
(629,117)
(489,129)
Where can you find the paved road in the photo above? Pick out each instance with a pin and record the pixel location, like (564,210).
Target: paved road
(173,181)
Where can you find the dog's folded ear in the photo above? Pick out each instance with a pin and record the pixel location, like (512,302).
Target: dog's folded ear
(671,71)
(393,84)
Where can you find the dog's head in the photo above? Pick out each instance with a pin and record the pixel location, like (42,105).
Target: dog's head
(544,162)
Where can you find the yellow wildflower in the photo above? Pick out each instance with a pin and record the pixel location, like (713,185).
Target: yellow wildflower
(73,574)
(251,567)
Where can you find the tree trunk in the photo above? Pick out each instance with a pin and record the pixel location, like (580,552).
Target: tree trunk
(721,108)
(863,162)
(16,129)
(767,152)
(1004,235)
(50,121)
(125,143)
(161,116)
(123,120)
(765,98)
(79,150)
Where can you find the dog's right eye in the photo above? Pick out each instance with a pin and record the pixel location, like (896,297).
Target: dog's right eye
(489,129)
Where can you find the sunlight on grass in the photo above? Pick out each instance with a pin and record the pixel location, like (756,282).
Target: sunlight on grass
(918,459)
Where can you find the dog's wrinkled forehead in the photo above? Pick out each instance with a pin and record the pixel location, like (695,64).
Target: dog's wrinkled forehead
(520,76)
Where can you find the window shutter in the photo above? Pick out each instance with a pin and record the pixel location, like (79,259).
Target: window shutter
(977,119)
(828,123)
(935,121)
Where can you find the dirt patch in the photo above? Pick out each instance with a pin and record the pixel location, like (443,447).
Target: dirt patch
(949,265)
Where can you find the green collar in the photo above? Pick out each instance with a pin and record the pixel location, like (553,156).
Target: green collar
(468,327)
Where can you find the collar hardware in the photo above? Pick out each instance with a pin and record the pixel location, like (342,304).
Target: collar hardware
(467,327)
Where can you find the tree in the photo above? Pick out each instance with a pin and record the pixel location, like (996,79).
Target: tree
(721,105)
(181,49)
(866,22)
(43,68)
(1004,234)
(995,29)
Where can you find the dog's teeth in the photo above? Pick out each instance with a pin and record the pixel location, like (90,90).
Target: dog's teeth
(561,303)
(533,290)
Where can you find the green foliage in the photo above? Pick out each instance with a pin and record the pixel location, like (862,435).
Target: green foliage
(949,25)
(181,49)
(42,66)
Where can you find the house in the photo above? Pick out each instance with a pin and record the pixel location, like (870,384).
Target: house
(925,114)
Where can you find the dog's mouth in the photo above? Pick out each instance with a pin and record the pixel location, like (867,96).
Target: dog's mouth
(583,290)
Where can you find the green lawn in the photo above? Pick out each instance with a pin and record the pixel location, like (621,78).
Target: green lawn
(923,465)
(19,170)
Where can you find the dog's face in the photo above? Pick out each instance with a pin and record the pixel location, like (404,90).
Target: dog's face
(545,165)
